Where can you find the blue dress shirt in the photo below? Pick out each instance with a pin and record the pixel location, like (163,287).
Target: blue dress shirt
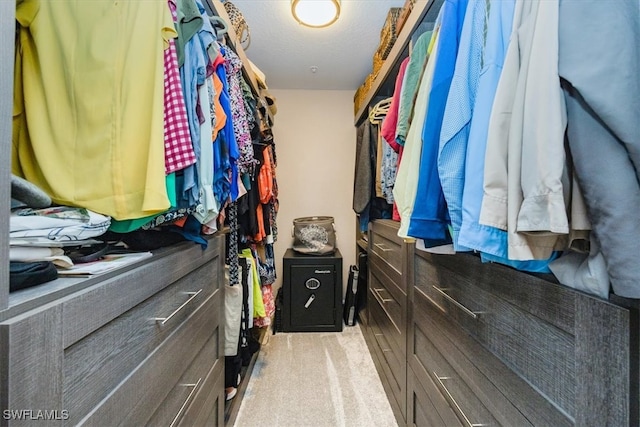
(430,218)
(490,241)
(458,111)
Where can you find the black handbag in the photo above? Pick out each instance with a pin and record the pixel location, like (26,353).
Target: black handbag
(314,235)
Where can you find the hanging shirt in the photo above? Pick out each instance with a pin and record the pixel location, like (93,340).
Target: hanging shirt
(430,218)
(411,81)
(388,171)
(226,152)
(473,235)
(194,73)
(525,162)
(188,21)
(363,176)
(603,103)
(240,120)
(406,184)
(490,241)
(207,208)
(220,114)
(90,131)
(178,149)
(458,111)
(256,303)
(388,127)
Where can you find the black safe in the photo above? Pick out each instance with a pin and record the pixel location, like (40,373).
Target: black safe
(312,292)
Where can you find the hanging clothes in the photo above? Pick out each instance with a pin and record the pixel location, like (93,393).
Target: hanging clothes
(256,305)
(456,120)
(68,130)
(219,112)
(473,235)
(194,73)
(387,158)
(525,162)
(178,149)
(405,188)
(603,105)
(377,115)
(226,152)
(207,207)
(240,121)
(429,219)
(363,173)
(390,121)
(409,89)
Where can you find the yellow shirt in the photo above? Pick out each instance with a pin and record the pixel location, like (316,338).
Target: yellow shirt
(88,108)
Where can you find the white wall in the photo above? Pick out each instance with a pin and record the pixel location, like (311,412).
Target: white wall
(315,145)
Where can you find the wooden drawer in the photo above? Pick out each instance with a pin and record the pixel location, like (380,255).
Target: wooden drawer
(174,410)
(538,350)
(95,365)
(392,301)
(208,405)
(460,396)
(385,244)
(471,379)
(540,330)
(137,398)
(390,366)
(92,308)
(427,406)
(99,356)
(393,353)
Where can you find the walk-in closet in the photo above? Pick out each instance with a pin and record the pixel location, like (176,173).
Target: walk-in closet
(322,213)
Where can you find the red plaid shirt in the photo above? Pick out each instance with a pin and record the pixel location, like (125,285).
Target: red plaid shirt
(178,149)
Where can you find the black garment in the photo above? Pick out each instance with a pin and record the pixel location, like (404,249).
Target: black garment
(24,275)
(363,179)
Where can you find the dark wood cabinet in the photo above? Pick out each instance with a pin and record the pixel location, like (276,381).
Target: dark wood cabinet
(386,330)
(140,346)
(460,342)
(516,349)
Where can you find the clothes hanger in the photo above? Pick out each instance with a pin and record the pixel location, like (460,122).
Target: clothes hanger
(219,25)
(380,111)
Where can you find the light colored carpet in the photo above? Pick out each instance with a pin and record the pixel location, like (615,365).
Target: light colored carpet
(315,379)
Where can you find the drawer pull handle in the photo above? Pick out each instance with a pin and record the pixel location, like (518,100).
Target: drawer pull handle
(456,408)
(378,292)
(382,247)
(186,401)
(460,306)
(163,320)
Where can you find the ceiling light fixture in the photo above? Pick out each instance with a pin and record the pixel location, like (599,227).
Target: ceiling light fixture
(315,13)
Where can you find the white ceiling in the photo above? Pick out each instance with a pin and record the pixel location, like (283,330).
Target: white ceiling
(285,51)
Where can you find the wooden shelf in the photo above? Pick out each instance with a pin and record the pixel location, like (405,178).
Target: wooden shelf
(399,51)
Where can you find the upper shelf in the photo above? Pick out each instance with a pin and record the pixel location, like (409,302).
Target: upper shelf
(396,55)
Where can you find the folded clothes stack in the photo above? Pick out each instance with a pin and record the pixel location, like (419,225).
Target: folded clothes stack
(39,234)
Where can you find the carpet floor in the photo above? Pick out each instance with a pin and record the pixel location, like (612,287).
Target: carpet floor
(316,380)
